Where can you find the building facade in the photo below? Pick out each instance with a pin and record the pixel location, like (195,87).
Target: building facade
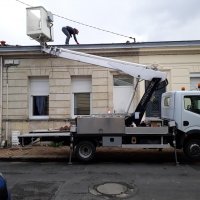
(40,91)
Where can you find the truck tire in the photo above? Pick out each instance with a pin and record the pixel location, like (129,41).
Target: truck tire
(85,151)
(192,149)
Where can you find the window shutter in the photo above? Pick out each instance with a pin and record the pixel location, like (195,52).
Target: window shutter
(39,86)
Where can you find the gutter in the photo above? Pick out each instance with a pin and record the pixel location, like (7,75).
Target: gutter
(6,50)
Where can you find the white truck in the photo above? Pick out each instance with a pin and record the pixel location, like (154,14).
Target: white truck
(179,126)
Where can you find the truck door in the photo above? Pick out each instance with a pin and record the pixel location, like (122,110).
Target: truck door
(191,113)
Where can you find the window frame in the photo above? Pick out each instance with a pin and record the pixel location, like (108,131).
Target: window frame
(123,83)
(191,108)
(87,107)
(80,84)
(32,95)
(167,101)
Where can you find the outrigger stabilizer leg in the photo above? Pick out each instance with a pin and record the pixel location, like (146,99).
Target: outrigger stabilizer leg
(71,147)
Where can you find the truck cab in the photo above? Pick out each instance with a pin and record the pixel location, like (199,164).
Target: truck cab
(183,107)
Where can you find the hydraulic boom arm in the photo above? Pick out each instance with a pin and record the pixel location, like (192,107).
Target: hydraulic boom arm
(136,70)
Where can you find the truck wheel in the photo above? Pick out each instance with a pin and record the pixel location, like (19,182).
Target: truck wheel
(85,151)
(192,149)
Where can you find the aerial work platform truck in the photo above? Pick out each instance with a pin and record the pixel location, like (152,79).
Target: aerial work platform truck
(178,127)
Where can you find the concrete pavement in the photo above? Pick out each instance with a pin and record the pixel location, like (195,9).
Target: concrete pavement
(61,153)
(34,153)
(157,179)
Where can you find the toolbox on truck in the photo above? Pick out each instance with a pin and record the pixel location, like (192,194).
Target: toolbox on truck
(100,125)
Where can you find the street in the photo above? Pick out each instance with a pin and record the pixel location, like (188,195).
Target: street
(145,176)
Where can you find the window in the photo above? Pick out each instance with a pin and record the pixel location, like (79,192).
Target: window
(122,80)
(192,104)
(81,95)
(40,105)
(167,101)
(39,98)
(122,93)
(81,103)
(194,81)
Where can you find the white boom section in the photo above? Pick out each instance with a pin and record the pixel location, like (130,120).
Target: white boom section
(136,70)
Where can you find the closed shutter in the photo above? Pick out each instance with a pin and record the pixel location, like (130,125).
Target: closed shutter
(81,84)
(39,86)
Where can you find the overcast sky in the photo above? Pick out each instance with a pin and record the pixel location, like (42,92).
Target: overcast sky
(146,20)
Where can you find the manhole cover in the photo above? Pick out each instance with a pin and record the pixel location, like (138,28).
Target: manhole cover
(113,190)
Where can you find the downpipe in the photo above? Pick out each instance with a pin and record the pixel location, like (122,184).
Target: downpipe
(1,97)
(6,136)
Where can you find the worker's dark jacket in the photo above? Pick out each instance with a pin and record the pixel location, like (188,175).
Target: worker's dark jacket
(70,30)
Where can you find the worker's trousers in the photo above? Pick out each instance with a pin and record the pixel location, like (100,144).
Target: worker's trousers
(65,31)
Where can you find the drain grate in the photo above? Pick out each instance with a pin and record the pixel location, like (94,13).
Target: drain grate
(113,190)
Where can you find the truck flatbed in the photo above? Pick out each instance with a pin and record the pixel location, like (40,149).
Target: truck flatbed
(55,136)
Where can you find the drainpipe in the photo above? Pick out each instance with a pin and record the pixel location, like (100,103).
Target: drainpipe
(7,64)
(1,96)
(6,139)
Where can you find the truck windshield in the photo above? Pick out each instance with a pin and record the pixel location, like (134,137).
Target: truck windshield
(192,103)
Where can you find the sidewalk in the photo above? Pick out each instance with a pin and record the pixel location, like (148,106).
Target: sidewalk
(40,153)
(34,153)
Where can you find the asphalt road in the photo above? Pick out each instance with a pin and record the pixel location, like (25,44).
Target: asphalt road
(143,176)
